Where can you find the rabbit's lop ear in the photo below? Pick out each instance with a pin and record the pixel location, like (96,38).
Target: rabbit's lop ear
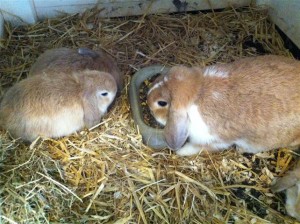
(176,129)
(91,112)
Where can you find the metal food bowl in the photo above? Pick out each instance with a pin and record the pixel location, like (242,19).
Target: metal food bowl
(153,137)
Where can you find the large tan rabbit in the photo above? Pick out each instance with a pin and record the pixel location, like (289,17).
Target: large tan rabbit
(68,60)
(253,103)
(291,183)
(56,104)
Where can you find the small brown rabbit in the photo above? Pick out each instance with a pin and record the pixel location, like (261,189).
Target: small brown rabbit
(68,60)
(291,183)
(158,100)
(56,104)
(253,103)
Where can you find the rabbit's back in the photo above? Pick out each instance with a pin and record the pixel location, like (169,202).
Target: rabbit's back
(259,102)
(68,60)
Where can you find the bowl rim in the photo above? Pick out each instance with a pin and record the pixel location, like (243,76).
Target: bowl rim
(152,137)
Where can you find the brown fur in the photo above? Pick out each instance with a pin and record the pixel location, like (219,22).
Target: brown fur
(259,100)
(68,60)
(35,105)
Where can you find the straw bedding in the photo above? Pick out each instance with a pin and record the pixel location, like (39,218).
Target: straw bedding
(106,174)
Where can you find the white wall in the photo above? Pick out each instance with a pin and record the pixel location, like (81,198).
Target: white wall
(1,25)
(52,8)
(29,11)
(286,15)
(18,11)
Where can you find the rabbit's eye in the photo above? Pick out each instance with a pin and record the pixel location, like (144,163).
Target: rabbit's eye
(102,93)
(162,103)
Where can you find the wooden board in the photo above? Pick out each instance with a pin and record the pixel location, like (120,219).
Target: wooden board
(1,26)
(113,8)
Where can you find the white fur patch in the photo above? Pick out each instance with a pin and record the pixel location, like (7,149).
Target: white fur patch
(188,150)
(105,103)
(217,95)
(199,135)
(221,145)
(199,132)
(157,85)
(161,120)
(246,147)
(292,199)
(214,71)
